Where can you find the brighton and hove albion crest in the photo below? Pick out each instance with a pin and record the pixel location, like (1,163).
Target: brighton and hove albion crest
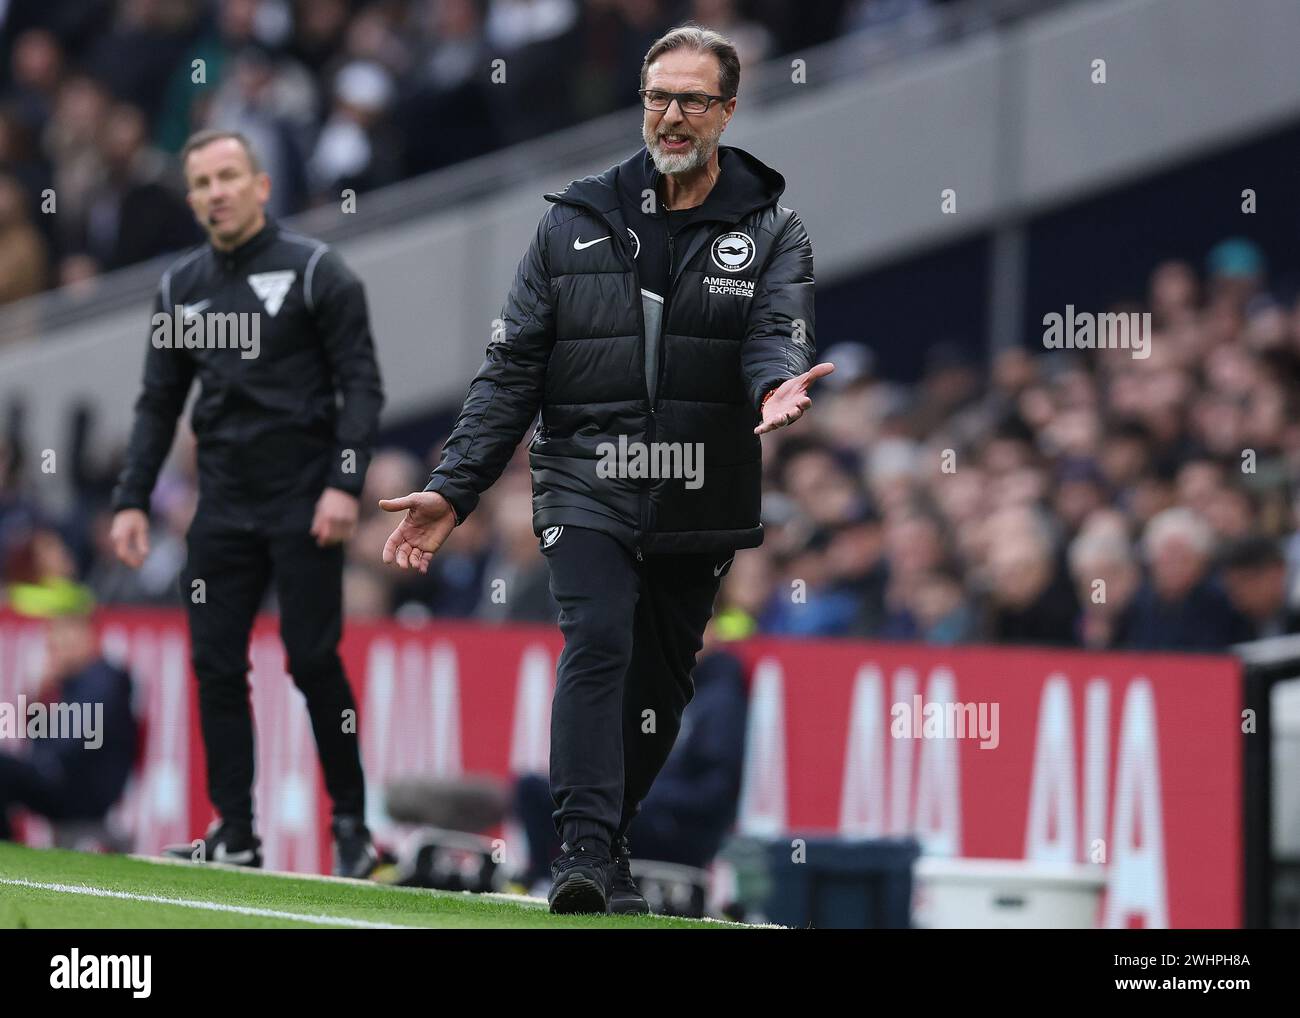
(733,251)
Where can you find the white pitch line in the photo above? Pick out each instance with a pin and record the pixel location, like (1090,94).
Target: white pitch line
(210,906)
(525,900)
(374,885)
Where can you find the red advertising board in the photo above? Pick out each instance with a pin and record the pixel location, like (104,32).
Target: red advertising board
(1126,761)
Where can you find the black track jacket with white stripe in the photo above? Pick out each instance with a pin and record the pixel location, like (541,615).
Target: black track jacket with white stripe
(272,430)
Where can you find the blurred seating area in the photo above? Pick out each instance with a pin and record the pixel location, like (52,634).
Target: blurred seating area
(97,97)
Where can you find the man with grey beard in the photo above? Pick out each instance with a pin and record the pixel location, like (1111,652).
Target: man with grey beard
(666,303)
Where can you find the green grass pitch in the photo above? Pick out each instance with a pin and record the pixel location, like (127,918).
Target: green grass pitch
(51,889)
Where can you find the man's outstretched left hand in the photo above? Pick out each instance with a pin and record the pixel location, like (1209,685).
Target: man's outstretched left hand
(787,402)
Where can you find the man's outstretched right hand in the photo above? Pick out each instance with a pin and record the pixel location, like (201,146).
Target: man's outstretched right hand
(429,519)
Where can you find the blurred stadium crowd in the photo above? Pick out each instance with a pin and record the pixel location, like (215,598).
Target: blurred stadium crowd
(97,96)
(1083,498)
(1053,497)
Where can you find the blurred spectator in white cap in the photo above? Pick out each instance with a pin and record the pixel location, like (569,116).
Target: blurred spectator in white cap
(356,148)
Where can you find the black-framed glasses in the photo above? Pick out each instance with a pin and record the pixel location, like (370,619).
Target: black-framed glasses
(691,103)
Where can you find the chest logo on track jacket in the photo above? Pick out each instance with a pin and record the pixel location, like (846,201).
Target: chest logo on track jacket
(272,287)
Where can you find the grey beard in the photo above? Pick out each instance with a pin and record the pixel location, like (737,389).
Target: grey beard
(669,163)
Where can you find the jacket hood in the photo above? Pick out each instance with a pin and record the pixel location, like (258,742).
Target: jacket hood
(746,183)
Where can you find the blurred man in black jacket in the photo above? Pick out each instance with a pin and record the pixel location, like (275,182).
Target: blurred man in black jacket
(1254,578)
(275,328)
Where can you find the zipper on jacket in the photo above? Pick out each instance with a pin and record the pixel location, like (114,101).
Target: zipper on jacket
(238,476)
(663,323)
(621,241)
(652,395)
(652,392)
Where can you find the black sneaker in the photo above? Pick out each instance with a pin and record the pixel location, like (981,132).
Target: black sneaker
(233,844)
(354,852)
(580,881)
(625,898)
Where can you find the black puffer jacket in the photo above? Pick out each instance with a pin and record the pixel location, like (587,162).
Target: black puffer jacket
(738,320)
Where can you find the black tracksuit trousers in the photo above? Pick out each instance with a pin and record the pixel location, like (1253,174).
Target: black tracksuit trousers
(632,631)
(236,564)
